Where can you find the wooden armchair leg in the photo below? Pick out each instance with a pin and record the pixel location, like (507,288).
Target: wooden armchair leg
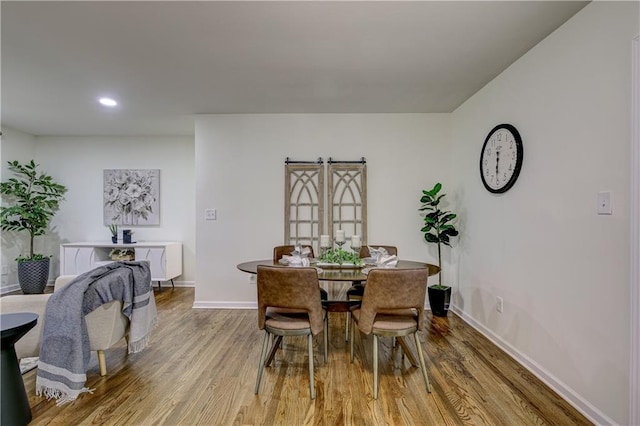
(102,362)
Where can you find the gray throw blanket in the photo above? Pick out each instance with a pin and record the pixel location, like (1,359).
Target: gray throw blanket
(64,352)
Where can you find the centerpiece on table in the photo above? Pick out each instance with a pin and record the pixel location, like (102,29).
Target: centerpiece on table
(340,257)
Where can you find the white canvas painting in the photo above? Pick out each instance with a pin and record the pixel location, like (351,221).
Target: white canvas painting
(132,197)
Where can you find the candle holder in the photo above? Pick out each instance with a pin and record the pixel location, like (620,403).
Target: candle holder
(356,243)
(325,244)
(340,244)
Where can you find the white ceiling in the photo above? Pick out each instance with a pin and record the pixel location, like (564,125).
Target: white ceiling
(166,61)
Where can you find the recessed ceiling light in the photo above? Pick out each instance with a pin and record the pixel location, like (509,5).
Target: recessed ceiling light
(107,102)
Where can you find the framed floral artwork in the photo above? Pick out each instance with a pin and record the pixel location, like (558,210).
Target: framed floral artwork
(132,197)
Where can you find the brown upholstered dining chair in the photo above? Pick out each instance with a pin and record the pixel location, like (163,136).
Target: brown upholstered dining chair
(364,250)
(289,305)
(280,251)
(393,305)
(356,291)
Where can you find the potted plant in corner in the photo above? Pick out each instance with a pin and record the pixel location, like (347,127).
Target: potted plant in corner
(438,228)
(33,199)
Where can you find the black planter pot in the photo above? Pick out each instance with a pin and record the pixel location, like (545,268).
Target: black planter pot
(439,299)
(33,275)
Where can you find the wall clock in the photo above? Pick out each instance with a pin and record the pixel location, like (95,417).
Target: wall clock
(501,158)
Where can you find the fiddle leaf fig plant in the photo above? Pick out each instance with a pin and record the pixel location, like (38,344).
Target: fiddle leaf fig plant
(33,199)
(438,224)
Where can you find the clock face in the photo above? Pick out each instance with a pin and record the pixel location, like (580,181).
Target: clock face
(501,158)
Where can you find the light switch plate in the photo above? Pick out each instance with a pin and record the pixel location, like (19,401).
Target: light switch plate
(604,202)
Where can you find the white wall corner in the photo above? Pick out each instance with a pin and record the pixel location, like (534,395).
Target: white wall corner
(634,380)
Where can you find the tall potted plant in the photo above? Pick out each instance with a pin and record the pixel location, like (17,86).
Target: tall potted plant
(438,229)
(33,198)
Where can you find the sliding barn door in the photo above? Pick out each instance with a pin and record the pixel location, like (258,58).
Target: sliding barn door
(348,198)
(304,203)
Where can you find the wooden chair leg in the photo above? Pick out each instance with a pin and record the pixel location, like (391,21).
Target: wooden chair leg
(263,355)
(102,362)
(375,367)
(423,366)
(312,386)
(326,338)
(353,332)
(275,344)
(346,327)
(407,351)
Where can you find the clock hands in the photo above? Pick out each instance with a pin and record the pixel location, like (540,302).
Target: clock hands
(497,162)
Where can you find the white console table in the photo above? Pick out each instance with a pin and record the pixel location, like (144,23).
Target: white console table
(165,258)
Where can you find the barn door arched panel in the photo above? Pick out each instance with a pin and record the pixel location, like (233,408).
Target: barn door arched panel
(347,198)
(304,202)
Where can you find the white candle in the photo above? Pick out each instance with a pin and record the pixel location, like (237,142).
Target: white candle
(324,241)
(355,241)
(340,236)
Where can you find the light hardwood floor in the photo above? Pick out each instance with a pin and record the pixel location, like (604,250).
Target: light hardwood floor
(200,369)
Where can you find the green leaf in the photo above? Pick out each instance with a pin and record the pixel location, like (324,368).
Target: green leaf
(431,238)
(450,232)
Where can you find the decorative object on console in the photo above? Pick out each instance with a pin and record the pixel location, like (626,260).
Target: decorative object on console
(501,158)
(126,236)
(122,254)
(114,232)
(34,198)
(438,229)
(132,197)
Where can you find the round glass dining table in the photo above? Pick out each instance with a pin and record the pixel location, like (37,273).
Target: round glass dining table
(335,273)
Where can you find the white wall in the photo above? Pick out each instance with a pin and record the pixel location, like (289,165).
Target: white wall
(562,270)
(240,171)
(78,163)
(18,146)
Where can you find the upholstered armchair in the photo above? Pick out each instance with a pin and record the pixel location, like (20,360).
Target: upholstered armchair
(106,326)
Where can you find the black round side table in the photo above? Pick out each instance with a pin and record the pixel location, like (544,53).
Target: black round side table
(15,408)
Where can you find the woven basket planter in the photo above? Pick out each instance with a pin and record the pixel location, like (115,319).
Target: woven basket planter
(33,275)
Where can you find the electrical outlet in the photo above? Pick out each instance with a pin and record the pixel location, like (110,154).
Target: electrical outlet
(210,214)
(252,279)
(499,304)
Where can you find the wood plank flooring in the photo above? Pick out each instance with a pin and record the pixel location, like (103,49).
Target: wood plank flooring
(200,369)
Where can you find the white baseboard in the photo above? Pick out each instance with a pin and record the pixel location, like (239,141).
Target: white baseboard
(166,284)
(9,288)
(224,305)
(568,394)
